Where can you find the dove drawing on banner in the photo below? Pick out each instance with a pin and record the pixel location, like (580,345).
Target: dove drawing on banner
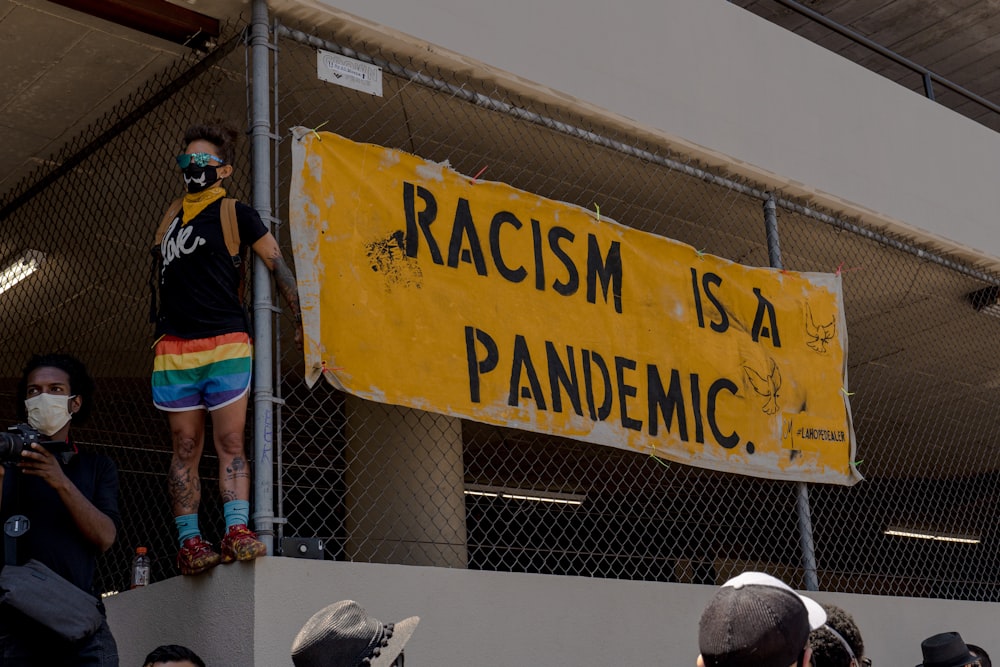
(766,386)
(818,335)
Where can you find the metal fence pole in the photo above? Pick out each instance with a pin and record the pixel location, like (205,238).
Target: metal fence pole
(928,85)
(802,499)
(263,396)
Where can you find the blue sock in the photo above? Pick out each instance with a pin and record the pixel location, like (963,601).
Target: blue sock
(187,527)
(237,512)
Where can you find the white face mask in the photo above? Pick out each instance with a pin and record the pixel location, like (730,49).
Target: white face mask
(48,413)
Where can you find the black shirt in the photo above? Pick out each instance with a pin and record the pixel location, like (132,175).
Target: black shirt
(199,285)
(53,537)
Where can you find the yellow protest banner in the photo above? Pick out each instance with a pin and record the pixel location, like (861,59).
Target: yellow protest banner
(425,288)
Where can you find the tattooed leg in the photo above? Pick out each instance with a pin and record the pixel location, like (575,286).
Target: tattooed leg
(188,435)
(228,424)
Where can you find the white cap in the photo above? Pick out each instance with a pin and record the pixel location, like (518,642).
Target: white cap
(817,617)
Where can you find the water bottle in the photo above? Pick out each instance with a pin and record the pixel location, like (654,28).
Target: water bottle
(140,568)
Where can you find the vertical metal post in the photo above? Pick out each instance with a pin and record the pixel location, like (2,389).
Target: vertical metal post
(928,85)
(263,397)
(802,500)
(279,490)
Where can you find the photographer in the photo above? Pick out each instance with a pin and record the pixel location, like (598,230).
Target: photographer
(71,501)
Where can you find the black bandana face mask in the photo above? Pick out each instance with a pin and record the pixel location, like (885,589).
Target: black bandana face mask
(200,178)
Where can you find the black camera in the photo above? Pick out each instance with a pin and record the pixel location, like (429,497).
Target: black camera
(19,437)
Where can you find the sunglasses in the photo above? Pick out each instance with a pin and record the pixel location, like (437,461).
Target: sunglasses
(200,159)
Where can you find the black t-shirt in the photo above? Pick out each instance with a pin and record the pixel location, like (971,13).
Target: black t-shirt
(53,537)
(199,285)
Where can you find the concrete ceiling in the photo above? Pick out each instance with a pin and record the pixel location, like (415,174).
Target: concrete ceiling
(63,69)
(958,40)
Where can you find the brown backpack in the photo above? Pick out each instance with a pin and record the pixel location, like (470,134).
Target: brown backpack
(230,232)
(230,229)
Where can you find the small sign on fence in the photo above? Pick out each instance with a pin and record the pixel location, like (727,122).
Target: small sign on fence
(349,72)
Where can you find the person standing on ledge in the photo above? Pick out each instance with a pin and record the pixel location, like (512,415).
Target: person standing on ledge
(203,353)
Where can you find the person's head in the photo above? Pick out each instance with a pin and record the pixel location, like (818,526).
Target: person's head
(946,649)
(344,635)
(755,620)
(838,643)
(54,389)
(209,152)
(980,652)
(173,655)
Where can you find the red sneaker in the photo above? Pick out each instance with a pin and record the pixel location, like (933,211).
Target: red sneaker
(196,556)
(241,543)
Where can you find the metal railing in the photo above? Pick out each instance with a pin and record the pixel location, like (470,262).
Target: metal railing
(928,76)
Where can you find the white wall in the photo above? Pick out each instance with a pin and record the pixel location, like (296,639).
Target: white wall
(212,615)
(713,74)
(486,619)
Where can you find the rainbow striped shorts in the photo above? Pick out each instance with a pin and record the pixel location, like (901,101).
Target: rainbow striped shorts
(201,373)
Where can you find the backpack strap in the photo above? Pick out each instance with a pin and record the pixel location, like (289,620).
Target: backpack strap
(238,252)
(168,217)
(155,264)
(231,229)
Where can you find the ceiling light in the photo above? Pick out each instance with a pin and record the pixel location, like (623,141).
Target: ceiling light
(20,268)
(932,535)
(985,300)
(525,494)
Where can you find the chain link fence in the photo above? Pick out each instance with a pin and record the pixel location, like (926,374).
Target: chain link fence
(379,483)
(92,211)
(920,372)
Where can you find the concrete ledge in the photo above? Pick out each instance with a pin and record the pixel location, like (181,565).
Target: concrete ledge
(213,614)
(248,614)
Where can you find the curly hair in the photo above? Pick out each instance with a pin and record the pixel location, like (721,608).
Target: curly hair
(827,650)
(217,132)
(80,383)
(979,652)
(173,653)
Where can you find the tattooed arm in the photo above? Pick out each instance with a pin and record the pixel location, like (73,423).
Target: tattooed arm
(267,249)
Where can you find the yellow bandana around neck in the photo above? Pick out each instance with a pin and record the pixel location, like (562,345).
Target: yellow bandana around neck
(196,203)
